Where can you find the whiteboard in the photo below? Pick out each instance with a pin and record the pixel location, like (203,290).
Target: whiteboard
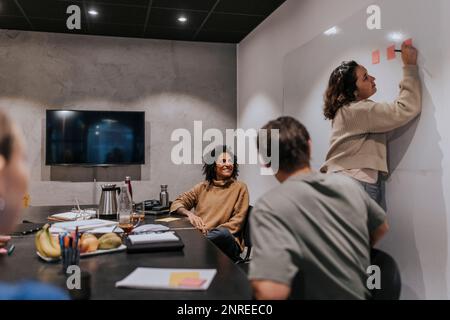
(418,189)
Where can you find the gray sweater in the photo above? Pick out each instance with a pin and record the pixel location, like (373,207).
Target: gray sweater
(358,138)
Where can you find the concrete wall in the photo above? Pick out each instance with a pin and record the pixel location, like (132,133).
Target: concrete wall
(175,83)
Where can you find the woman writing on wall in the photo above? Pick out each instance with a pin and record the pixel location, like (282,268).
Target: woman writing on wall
(360,125)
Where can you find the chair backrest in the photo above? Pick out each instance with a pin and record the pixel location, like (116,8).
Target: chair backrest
(246,228)
(391,283)
(246,236)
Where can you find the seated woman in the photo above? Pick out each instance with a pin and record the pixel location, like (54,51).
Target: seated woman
(13,185)
(221,203)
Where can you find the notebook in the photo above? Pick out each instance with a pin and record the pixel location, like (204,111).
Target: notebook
(153,237)
(154,242)
(172,279)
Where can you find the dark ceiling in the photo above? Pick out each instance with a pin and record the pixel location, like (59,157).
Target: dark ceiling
(207,20)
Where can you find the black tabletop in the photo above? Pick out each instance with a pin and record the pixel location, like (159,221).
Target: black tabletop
(230,281)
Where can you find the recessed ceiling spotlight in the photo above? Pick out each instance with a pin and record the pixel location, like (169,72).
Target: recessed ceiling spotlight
(182,19)
(331,31)
(93,12)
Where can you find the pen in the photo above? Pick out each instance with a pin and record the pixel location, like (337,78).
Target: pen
(11,249)
(78,205)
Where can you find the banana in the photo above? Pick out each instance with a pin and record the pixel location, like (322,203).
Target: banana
(48,244)
(37,242)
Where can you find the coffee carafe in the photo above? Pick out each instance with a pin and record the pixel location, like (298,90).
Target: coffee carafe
(107,207)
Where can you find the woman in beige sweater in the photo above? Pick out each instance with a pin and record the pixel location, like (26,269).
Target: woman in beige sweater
(220,202)
(360,125)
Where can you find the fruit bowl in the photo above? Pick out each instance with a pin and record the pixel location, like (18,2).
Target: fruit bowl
(86,254)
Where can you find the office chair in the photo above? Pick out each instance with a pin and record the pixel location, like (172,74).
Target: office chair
(246,237)
(391,283)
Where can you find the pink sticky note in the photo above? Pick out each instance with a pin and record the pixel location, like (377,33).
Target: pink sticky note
(191,282)
(391,52)
(376,57)
(408,42)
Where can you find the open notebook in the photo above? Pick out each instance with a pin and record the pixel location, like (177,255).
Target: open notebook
(173,279)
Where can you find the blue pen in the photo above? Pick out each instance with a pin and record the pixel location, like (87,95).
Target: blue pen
(61,243)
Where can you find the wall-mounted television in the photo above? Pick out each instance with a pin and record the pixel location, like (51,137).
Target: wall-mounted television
(94,138)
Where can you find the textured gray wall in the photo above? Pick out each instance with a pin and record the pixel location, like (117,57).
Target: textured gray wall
(174,82)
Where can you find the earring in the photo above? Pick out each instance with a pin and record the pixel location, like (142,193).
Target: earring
(356,94)
(2,204)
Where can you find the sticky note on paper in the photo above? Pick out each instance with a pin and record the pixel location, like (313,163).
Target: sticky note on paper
(391,52)
(177,277)
(376,57)
(408,42)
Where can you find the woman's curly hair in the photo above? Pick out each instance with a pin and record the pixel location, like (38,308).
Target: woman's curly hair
(209,167)
(341,88)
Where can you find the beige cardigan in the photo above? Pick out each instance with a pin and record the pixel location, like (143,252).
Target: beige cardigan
(358,138)
(220,204)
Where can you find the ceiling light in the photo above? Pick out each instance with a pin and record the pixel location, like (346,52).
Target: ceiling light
(93,12)
(331,31)
(182,19)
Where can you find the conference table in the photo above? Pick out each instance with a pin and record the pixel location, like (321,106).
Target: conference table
(230,282)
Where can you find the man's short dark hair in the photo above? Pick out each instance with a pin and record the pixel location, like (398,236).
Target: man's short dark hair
(294,151)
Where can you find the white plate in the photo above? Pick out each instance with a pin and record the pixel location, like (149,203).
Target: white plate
(88,254)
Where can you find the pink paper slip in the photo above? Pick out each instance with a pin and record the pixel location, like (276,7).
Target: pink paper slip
(391,52)
(376,57)
(191,282)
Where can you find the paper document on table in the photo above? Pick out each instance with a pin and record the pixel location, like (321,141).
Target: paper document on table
(167,219)
(153,237)
(73,215)
(175,279)
(84,224)
(109,229)
(150,228)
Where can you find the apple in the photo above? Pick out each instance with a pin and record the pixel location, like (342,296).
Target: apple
(88,243)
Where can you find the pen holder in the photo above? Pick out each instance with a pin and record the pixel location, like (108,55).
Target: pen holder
(70,253)
(70,257)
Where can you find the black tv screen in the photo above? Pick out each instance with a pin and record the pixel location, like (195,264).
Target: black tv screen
(95,137)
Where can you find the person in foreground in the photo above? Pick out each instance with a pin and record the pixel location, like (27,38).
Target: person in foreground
(312,234)
(360,125)
(220,202)
(13,186)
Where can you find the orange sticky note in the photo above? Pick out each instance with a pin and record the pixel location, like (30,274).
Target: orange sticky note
(177,277)
(391,52)
(408,42)
(376,57)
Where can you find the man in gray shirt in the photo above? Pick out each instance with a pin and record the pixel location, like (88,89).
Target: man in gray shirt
(313,233)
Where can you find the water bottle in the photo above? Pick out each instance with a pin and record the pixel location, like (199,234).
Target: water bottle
(130,189)
(125,210)
(164,196)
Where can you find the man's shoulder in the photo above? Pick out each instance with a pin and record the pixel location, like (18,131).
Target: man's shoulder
(304,187)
